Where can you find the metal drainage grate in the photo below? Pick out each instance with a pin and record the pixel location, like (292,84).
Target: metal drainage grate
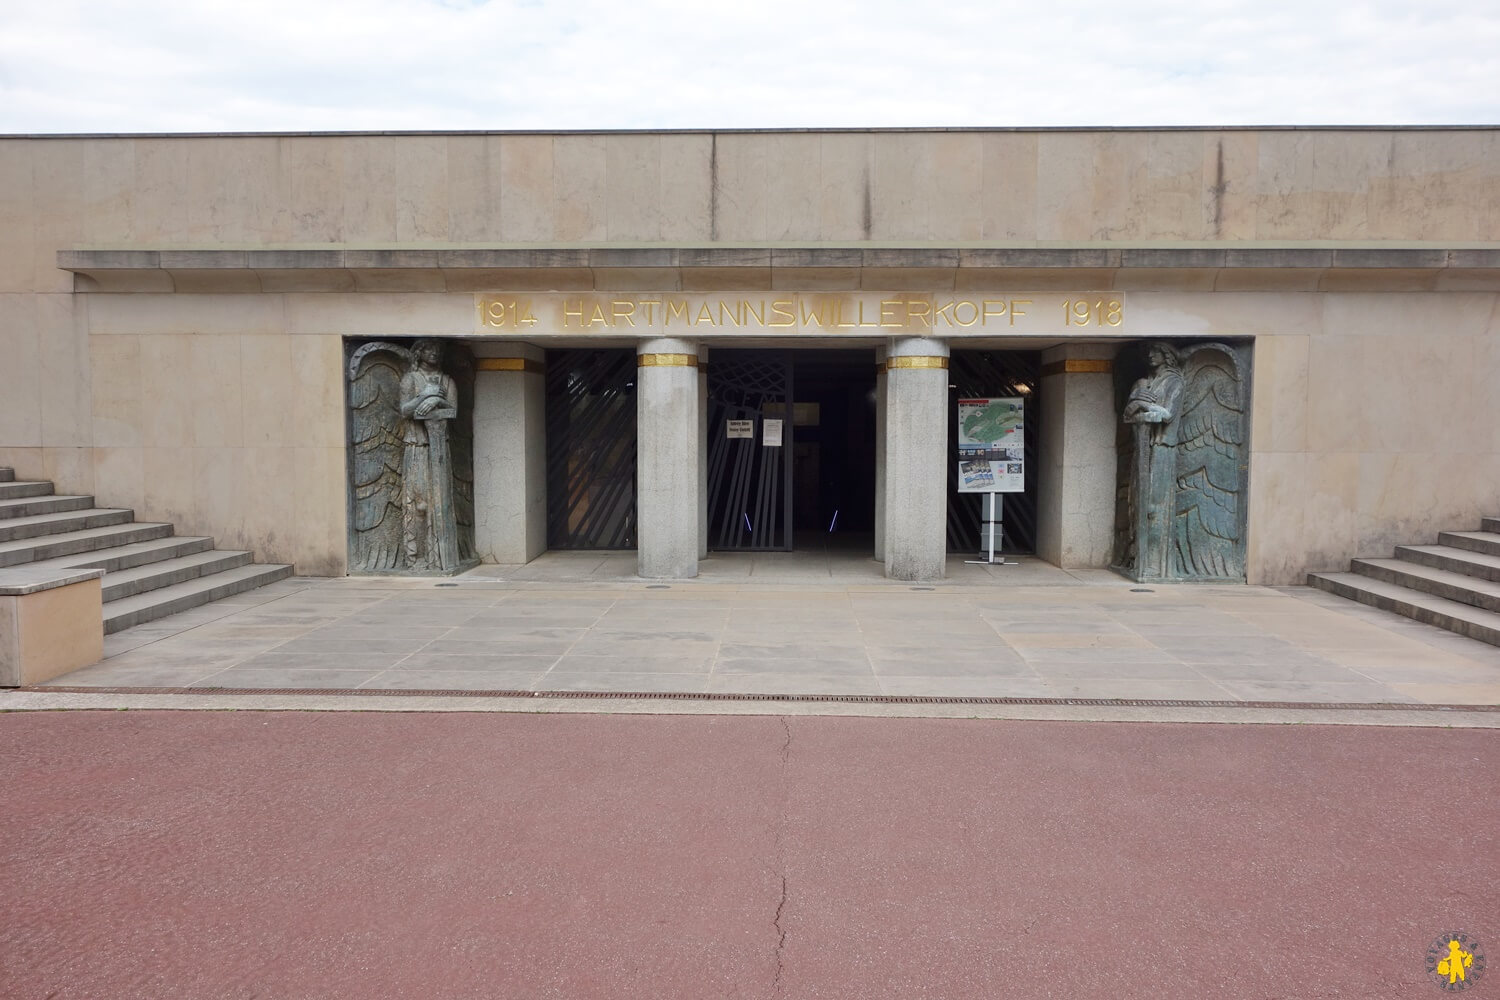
(861,699)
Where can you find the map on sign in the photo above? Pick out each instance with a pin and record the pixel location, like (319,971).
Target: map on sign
(991,445)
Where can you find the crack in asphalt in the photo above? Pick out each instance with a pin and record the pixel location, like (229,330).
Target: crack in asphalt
(780,935)
(780,853)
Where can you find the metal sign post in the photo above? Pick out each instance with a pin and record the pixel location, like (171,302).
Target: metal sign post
(991,457)
(993,531)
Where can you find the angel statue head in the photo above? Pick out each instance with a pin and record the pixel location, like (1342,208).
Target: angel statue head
(1161,354)
(428,352)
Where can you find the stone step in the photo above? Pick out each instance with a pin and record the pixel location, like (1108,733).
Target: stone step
(128,611)
(169,572)
(1486,542)
(1490,524)
(25,488)
(1444,583)
(1476,623)
(28,550)
(7,474)
(41,504)
(122,557)
(1475,564)
(17,528)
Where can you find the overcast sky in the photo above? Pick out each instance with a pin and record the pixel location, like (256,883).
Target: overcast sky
(291,65)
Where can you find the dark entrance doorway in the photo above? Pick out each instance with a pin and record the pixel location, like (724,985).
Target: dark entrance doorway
(833,460)
(817,488)
(591,443)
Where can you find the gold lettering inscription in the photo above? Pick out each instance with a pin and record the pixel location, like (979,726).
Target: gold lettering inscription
(810,317)
(502,313)
(1093,312)
(830,312)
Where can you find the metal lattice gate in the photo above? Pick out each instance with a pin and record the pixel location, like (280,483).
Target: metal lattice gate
(749,484)
(591,444)
(994,373)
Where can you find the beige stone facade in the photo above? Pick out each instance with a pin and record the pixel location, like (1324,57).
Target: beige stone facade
(172,308)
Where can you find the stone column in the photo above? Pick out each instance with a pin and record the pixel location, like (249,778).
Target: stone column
(668,478)
(880,354)
(702,451)
(510,452)
(916,458)
(1076,453)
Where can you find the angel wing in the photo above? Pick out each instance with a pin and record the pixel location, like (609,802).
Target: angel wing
(1210,433)
(375,451)
(461,367)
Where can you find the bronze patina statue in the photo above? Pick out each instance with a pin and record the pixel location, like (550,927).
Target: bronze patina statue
(1186,478)
(412,502)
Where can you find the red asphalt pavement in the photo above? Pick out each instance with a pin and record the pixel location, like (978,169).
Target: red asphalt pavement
(270,855)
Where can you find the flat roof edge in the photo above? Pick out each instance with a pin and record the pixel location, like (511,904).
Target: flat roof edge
(409,133)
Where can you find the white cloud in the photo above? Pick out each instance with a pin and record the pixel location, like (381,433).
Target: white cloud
(72,66)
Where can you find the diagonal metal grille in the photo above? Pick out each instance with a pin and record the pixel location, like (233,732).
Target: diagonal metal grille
(749,485)
(591,445)
(994,373)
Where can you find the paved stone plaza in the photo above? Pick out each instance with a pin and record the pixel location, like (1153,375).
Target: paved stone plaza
(806,623)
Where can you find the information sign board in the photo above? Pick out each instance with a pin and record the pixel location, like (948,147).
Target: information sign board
(991,445)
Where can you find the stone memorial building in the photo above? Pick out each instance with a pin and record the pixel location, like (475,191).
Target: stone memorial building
(1241,354)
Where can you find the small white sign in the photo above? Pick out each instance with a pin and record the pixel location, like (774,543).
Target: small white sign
(770,435)
(740,428)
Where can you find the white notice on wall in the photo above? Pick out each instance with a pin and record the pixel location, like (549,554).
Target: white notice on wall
(770,435)
(739,428)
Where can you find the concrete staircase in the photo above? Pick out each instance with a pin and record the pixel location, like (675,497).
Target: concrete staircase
(149,572)
(1454,584)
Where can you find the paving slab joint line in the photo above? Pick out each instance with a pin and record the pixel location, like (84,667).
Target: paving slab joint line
(877,699)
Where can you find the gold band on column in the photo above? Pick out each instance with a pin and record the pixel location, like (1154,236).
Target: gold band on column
(509,365)
(915,361)
(1078,366)
(666,361)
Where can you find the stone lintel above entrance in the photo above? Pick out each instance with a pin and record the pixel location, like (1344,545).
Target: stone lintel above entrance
(1197,267)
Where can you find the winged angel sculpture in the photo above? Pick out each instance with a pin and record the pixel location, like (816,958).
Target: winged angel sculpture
(411,461)
(1187,478)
